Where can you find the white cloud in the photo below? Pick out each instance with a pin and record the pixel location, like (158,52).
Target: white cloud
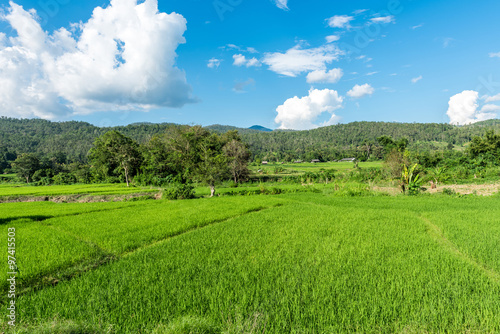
(372,73)
(240,49)
(302,113)
(383,19)
(340,21)
(322,76)
(417,79)
(359,11)
(417,26)
(332,38)
(489,99)
(297,60)
(490,108)
(463,109)
(214,63)
(241,60)
(358,91)
(282,4)
(124,58)
(495,55)
(253,62)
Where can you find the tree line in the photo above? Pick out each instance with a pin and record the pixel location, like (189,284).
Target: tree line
(358,139)
(182,155)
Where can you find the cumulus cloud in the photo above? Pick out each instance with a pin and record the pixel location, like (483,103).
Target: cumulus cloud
(489,99)
(297,60)
(490,108)
(122,58)
(322,76)
(417,79)
(340,21)
(332,38)
(301,113)
(464,109)
(282,4)
(383,19)
(359,91)
(241,60)
(214,63)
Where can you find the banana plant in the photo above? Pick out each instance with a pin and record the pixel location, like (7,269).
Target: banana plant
(410,180)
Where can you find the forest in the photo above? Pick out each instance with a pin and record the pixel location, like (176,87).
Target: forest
(42,152)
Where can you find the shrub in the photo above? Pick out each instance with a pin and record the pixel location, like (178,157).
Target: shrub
(64,178)
(449,192)
(179,191)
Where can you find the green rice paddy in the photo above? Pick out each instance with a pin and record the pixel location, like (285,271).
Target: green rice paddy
(289,263)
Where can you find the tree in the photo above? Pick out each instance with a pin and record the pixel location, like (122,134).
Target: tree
(238,156)
(489,144)
(183,146)
(367,147)
(113,154)
(213,165)
(26,165)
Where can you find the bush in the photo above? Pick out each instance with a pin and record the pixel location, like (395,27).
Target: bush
(179,191)
(449,192)
(64,178)
(153,180)
(44,181)
(112,179)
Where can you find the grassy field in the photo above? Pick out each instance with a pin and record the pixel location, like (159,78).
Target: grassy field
(290,263)
(290,169)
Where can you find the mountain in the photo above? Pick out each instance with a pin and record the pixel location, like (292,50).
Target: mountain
(260,128)
(76,138)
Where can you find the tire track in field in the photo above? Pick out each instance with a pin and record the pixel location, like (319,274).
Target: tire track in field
(43,218)
(437,234)
(67,273)
(197,228)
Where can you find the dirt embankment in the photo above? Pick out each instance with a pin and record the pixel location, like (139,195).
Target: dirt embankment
(487,189)
(81,198)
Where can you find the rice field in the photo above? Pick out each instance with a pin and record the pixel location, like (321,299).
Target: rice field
(312,167)
(289,263)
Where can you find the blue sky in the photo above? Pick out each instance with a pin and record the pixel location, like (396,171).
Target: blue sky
(280,64)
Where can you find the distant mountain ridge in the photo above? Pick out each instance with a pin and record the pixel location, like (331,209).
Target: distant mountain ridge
(260,128)
(76,138)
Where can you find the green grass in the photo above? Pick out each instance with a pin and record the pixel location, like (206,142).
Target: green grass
(293,263)
(103,230)
(291,169)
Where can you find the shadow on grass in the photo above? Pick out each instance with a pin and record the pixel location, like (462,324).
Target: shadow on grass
(30,219)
